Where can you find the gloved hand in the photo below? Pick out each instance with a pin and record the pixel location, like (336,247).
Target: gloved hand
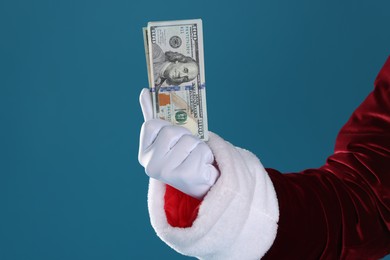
(173,155)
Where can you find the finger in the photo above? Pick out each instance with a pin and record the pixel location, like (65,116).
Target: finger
(180,151)
(157,138)
(198,160)
(156,154)
(212,174)
(145,100)
(168,136)
(149,132)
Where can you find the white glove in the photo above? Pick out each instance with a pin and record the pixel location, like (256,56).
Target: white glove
(171,154)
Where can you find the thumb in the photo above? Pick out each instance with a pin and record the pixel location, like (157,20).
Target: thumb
(145,100)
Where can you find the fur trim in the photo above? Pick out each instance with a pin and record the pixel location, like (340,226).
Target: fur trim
(238,216)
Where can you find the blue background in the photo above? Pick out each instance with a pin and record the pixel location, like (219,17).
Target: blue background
(282,78)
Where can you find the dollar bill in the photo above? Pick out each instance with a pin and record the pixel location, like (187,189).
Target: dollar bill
(175,63)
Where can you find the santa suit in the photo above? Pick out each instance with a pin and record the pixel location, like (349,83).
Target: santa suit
(338,211)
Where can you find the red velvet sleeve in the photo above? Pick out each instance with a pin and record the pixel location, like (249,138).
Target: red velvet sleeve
(181,209)
(341,210)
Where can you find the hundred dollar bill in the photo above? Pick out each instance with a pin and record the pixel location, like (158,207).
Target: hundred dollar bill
(174,54)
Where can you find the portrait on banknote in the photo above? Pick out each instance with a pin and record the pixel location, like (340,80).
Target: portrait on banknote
(172,68)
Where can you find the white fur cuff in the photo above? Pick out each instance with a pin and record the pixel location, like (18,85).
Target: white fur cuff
(238,217)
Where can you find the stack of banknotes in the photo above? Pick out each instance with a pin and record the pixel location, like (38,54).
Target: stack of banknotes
(174,57)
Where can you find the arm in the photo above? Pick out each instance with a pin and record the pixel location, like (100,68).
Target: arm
(340,210)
